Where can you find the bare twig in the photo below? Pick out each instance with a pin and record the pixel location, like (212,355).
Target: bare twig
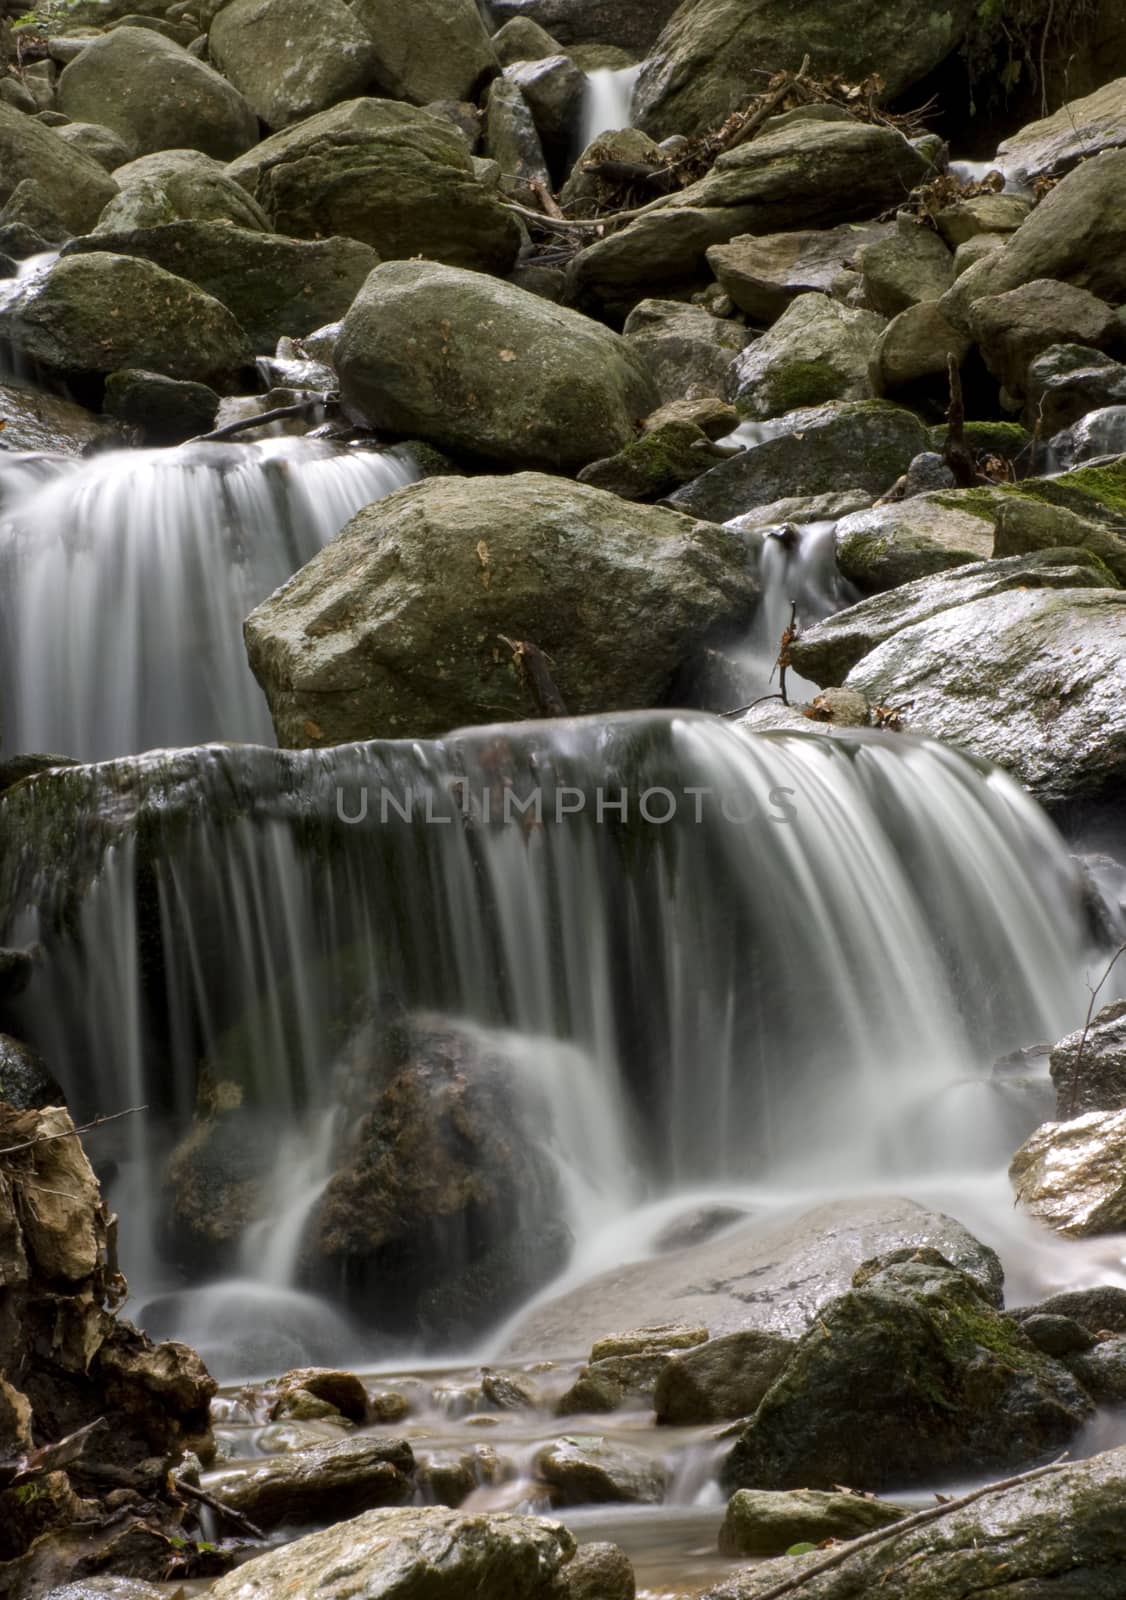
(1076,1070)
(546,199)
(739,710)
(300,408)
(70,1133)
(773,100)
(235,1518)
(908,1525)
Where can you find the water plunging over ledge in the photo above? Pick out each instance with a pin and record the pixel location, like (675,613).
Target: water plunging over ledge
(125,580)
(660,951)
(607,102)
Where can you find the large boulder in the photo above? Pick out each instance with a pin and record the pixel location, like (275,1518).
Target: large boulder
(805,174)
(827,651)
(92,314)
(774,1275)
(275,287)
(390,175)
(818,350)
(913,538)
(178,186)
(1049,1537)
(766,1522)
(1034,680)
(478,366)
(843,445)
(591,1470)
(1013,328)
(1072,134)
(912,355)
(31,420)
(291,60)
(443,53)
(74,187)
(905,267)
(395,628)
(703,65)
(155,95)
(911,1376)
(1025,525)
(763,274)
(1066,382)
(327,1481)
(686,350)
(1072,1175)
(404,1554)
(1088,1067)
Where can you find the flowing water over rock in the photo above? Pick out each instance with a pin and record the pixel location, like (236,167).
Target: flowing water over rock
(125,580)
(608,102)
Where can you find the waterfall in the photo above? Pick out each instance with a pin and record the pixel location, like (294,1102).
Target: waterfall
(125,580)
(695,954)
(607,102)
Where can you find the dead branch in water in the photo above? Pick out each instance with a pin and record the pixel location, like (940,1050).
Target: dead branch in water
(235,1518)
(70,1133)
(1076,1070)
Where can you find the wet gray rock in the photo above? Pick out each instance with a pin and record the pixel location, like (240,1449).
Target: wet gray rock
(587,1469)
(474,365)
(914,351)
(721,1380)
(1102,1371)
(910,1376)
(914,538)
(511,138)
(329,1480)
(166,410)
(766,1522)
(553,90)
(289,61)
(36,421)
(72,185)
(1070,135)
(905,267)
(566,566)
(1098,1310)
(156,96)
(772,1275)
(1066,381)
(1012,329)
(599,1572)
(763,274)
(817,351)
(844,445)
(24,1079)
(1025,525)
(686,350)
(1071,1175)
(1095,1080)
(444,54)
(1055,1335)
(827,651)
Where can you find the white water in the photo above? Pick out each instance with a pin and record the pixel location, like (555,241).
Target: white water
(607,102)
(125,580)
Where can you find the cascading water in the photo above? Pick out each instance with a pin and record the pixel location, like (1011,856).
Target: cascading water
(125,580)
(607,102)
(687,955)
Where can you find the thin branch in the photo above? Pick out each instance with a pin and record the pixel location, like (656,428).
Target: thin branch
(235,1518)
(908,1525)
(769,105)
(1075,1073)
(546,199)
(300,408)
(739,710)
(70,1133)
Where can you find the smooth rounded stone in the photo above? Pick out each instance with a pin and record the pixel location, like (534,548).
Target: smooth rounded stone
(273,286)
(387,174)
(662,253)
(1043,1539)
(167,410)
(773,1274)
(631,25)
(687,352)
(291,60)
(1102,1309)
(1012,329)
(1056,1335)
(827,652)
(343,1391)
(468,560)
(445,1477)
(592,1393)
(976,249)
(703,63)
(765,1522)
(155,96)
(72,185)
(915,347)
(993,215)
(587,1469)
(35,421)
(1102,1371)
(16,95)
(910,1376)
(1077,235)
(926,473)
(442,53)
(404,1554)
(1099,433)
(660,460)
(99,144)
(906,267)
(1026,525)
(713,416)
(94,314)
(1067,381)
(843,445)
(472,364)
(387,1406)
(1071,1176)
(894,544)
(599,1572)
(29,208)
(1072,134)
(553,89)
(327,1480)
(1095,1080)
(24,1079)
(817,350)
(522,39)
(511,138)
(1033,680)
(721,1380)
(764,274)
(177,186)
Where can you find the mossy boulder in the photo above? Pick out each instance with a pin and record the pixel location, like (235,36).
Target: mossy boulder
(73,185)
(588,1469)
(766,1522)
(722,1379)
(1024,525)
(764,273)
(390,175)
(394,629)
(291,60)
(912,1376)
(889,545)
(155,95)
(178,186)
(480,367)
(93,314)
(685,349)
(442,53)
(818,350)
